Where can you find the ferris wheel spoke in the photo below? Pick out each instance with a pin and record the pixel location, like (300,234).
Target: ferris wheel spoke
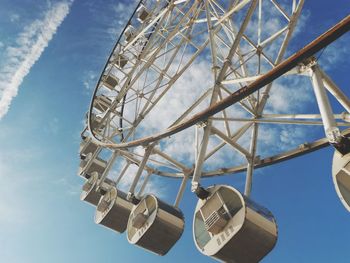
(192,107)
(150,105)
(174,162)
(251,160)
(170,164)
(337,93)
(245,80)
(341,116)
(176,76)
(235,8)
(231,36)
(282,11)
(270,40)
(225,115)
(282,50)
(234,138)
(259,50)
(249,109)
(275,121)
(228,141)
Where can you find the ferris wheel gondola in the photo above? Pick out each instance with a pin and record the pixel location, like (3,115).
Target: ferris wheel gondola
(113,210)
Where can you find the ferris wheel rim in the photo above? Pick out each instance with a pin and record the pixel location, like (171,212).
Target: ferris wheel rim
(300,150)
(207,113)
(89,115)
(313,47)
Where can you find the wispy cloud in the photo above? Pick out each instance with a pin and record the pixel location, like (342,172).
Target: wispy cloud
(337,52)
(89,81)
(109,20)
(29,46)
(53,126)
(14,17)
(119,9)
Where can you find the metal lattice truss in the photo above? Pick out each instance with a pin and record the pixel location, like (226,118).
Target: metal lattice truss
(177,58)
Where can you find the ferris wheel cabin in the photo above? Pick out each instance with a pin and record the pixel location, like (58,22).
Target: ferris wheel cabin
(88,165)
(89,193)
(110,81)
(142,14)
(96,124)
(87,146)
(155,225)
(231,228)
(129,33)
(120,61)
(341,177)
(102,103)
(113,210)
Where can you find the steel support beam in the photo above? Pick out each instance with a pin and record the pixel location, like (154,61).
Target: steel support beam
(131,193)
(250,166)
(330,127)
(335,91)
(122,173)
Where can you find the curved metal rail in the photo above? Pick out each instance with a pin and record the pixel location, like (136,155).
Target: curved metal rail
(302,149)
(309,50)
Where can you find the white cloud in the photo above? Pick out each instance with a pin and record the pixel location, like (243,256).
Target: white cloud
(89,81)
(276,138)
(290,95)
(30,44)
(53,126)
(119,9)
(336,53)
(14,18)
(109,20)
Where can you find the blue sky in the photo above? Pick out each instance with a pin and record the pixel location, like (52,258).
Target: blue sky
(41,216)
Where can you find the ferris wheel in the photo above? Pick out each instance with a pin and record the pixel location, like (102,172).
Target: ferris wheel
(192,90)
